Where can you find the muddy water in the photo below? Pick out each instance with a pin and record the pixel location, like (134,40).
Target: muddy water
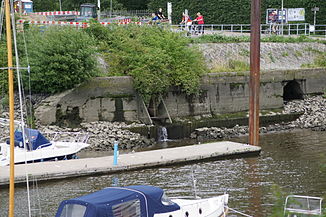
(289,160)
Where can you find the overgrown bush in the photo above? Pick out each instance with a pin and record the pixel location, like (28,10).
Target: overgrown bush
(155,58)
(219,38)
(60,58)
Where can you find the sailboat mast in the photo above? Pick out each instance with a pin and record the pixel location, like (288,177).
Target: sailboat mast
(11,112)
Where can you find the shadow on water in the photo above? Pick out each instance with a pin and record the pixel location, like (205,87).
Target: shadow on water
(291,160)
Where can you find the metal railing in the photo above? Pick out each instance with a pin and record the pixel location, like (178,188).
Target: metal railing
(320,30)
(127,13)
(285,29)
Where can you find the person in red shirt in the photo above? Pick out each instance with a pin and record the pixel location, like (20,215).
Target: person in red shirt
(200,22)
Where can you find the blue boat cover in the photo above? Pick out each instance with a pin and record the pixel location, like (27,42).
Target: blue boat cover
(34,139)
(102,203)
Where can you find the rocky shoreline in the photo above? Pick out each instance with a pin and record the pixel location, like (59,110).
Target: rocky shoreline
(313,117)
(103,134)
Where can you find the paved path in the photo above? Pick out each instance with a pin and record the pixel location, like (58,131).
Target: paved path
(132,161)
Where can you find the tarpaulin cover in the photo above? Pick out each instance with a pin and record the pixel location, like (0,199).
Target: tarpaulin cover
(100,203)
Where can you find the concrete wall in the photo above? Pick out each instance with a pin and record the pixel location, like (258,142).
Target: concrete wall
(114,99)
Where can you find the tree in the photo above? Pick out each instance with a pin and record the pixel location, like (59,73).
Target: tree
(60,58)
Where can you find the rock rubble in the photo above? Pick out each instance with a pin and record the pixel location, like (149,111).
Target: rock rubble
(102,135)
(314,117)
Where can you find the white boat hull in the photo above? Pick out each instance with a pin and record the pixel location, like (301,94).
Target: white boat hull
(211,207)
(55,151)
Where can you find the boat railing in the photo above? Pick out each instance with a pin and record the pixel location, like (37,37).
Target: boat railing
(307,205)
(67,137)
(44,145)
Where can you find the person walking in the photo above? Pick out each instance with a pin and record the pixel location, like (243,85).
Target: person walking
(186,20)
(200,21)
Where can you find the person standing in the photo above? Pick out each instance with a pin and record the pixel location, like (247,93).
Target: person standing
(274,17)
(200,22)
(186,20)
(159,14)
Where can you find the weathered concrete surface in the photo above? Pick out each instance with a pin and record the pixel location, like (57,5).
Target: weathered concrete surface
(132,161)
(282,56)
(103,98)
(114,99)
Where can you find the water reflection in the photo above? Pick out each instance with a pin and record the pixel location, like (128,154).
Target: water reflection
(289,160)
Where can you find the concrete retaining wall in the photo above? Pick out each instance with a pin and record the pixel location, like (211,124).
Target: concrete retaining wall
(114,99)
(274,56)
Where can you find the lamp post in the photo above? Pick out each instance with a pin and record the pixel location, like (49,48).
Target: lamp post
(315,9)
(60,5)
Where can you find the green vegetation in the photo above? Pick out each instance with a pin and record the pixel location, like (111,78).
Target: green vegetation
(285,54)
(3,63)
(155,58)
(60,58)
(67,5)
(279,198)
(244,52)
(237,65)
(271,57)
(217,38)
(298,54)
(232,66)
(319,62)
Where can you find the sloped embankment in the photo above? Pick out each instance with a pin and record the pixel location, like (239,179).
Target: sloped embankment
(273,55)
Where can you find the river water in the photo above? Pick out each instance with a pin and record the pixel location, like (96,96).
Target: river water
(290,161)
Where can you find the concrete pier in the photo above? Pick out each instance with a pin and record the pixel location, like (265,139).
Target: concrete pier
(132,161)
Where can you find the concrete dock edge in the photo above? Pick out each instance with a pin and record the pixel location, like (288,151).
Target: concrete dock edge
(132,161)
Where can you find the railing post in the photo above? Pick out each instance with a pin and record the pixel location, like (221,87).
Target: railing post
(222,28)
(289,30)
(297,29)
(231,27)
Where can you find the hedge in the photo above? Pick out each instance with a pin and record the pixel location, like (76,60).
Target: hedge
(236,11)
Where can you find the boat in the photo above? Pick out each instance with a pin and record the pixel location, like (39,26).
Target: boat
(298,205)
(140,201)
(36,148)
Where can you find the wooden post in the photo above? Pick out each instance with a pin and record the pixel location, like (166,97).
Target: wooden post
(254,83)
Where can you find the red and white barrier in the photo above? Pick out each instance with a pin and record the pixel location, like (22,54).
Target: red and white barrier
(51,13)
(60,23)
(65,23)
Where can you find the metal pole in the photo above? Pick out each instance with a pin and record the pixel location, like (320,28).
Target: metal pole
(315,12)
(282,9)
(98,10)
(111,9)
(60,5)
(254,73)
(11,113)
